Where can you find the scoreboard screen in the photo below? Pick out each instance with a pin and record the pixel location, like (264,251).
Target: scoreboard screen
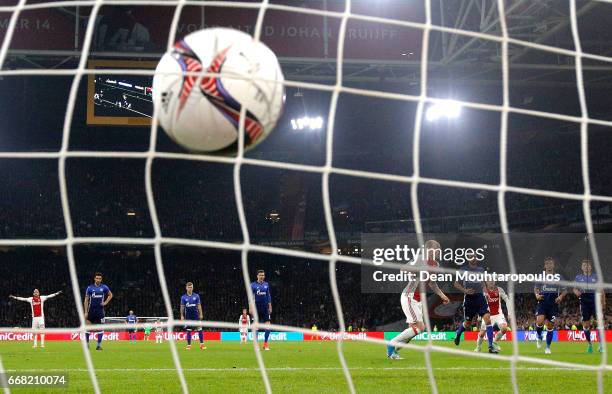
(115,99)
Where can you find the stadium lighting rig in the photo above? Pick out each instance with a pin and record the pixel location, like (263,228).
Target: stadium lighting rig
(307,123)
(448,109)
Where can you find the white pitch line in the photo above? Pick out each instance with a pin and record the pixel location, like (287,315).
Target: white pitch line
(296,369)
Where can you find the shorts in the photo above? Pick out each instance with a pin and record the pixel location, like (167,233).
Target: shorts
(549,309)
(147,332)
(38,323)
(587,309)
(262,312)
(95,317)
(131,330)
(496,320)
(190,327)
(243,330)
(474,305)
(412,308)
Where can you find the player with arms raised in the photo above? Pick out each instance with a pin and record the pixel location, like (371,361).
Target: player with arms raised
(411,301)
(263,303)
(494,295)
(38,314)
(549,296)
(586,295)
(244,324)
(97,296)
(191,309)
(474,304)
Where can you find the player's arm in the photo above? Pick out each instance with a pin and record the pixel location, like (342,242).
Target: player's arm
(248,322)
(561,296)
(182,311)
(436,289)
(44,298)
(86,305)
(538,293)
(506,299)
(25,299)
(462,289)
(109,297)
(200,313)
(269,301)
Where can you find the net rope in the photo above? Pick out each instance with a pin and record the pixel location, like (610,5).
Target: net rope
(326,170)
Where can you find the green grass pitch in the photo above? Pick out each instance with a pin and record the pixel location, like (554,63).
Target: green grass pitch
(297,367)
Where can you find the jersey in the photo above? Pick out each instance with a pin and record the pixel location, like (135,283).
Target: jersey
(158,328)
(244,322)
(588,285)
(413,286)
(474,304)
(261,292)
(547,307)
(37,304)
(96,295)
(131,319)
(191,302)
(474,285)
(494,298)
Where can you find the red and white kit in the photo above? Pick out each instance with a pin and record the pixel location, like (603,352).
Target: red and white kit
(37,306)
(411,296)
(494,298)
(244,323)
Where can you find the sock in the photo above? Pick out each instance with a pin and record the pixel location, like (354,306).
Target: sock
(490,334)
(498,336)
(266,336)
(35,339)
(100,335)
(549,337)
(201,335)
(188,338)
(587,334)
(405,336)
(539,330)
(42,340)
(460,330)
(479,341)
(87,337)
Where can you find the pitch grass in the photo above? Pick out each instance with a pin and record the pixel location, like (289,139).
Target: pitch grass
(298,367)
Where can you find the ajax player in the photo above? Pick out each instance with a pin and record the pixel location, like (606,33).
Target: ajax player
(159,332)
(38,315)
(191,309)
(411,303)
(474,304)
(97,296)
(586,295)
(244,323)
(549,296)
(263,302)
(494,294)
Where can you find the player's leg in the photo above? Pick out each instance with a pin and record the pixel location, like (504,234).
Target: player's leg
(586,313)
(540,317)
(201,337)
(188,329)
(550,330)
(414,317)
(101,320)
(267,335)
(481,334)
(34,327)
(468,315)
(41,326)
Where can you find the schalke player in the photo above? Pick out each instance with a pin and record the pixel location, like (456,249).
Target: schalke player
(549,296)
(586,295)
(474,304)
(191,309)
(131,318)
(263,302)
(97,296)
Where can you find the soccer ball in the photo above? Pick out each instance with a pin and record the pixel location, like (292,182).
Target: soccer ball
(202,113)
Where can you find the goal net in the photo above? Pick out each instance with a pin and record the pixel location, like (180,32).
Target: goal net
(416,82)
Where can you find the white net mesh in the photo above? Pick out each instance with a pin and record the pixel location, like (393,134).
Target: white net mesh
(325,170)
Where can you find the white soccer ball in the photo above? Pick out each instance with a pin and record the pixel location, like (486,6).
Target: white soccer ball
(201,113)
